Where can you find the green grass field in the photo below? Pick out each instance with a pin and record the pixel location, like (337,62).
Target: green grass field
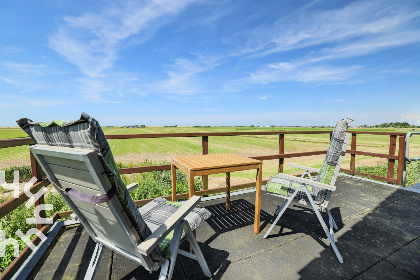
(159,149)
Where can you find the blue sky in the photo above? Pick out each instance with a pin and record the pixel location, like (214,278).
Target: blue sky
(165,62)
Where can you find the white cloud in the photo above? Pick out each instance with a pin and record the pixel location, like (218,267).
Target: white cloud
(183,75)
(11,50)
(360,28)
(92,41)
(384,23)
(263,97)
(110,89)
(24,68)
(46,103)
(283,72)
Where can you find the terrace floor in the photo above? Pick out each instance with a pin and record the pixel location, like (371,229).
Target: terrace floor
(378,237)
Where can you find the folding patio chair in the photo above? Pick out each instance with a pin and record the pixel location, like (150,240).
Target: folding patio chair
(313,191)
(77,160)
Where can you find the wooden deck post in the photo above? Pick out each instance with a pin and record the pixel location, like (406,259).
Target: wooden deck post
(353,156)
(37,172)
(391,162)
(173,179)
(205,147)
(281,151)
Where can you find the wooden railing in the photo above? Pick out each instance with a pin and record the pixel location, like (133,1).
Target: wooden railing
(13,203)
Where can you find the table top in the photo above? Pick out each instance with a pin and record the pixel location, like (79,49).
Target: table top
(201,162)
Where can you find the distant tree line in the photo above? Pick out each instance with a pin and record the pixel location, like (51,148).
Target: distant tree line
(393,124)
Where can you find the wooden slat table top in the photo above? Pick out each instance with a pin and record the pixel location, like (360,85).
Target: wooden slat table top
(202,162)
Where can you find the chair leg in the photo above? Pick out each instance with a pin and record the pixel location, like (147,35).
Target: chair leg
(331,221)
(324,226)
(197,251)
(281,210)
(168,266)
(94,261)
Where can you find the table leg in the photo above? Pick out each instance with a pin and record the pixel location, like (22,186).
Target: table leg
(191,184)
(227,190)
(173,177)
(258,184)
(205,180)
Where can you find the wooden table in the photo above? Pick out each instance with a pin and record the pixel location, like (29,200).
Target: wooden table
(199,165)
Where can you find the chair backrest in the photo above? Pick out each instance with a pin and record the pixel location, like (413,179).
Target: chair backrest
(331,166)
(86,133)
(81,170)
(335,154)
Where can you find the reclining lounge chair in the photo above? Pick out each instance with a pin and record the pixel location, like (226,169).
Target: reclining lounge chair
(78,161)
(315,191)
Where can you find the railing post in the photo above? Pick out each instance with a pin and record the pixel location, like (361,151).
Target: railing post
(205,147)
(37,172)
(281,151)
(353,156)
(391,162)
(401,159)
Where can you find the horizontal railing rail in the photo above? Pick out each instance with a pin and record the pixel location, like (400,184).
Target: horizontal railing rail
(13,203)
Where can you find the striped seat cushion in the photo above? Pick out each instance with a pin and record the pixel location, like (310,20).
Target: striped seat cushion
(286,188)
(156,212)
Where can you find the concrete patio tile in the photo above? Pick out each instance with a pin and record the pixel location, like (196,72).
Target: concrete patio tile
(217,253)
(347,206)
(247,243)
(123,268)
(400,226)
(373,239)
(242,214)
(399,217)
(234,271)
(355,259)
(384,271)
(408,258)
(408,205)
(287,262)
(73,252)
(104,267)
(346,184)
(372,197)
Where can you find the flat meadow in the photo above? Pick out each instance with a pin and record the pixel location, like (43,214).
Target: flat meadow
(134,152)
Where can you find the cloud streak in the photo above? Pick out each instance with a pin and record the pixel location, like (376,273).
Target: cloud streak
(360,28)
(379,21)
(92,41)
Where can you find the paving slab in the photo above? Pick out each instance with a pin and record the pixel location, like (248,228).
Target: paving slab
(373,239)
(408,258)
(105,265)
(287,262)
(356,259)
(234,271)
(401,227)
(123,268)
(73,249)
(385,271)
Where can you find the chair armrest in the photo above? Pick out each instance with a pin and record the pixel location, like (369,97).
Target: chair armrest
(303,167)
(307,182)
(150,243)
(132,187)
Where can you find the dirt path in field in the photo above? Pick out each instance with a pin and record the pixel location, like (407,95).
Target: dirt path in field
(12,162)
